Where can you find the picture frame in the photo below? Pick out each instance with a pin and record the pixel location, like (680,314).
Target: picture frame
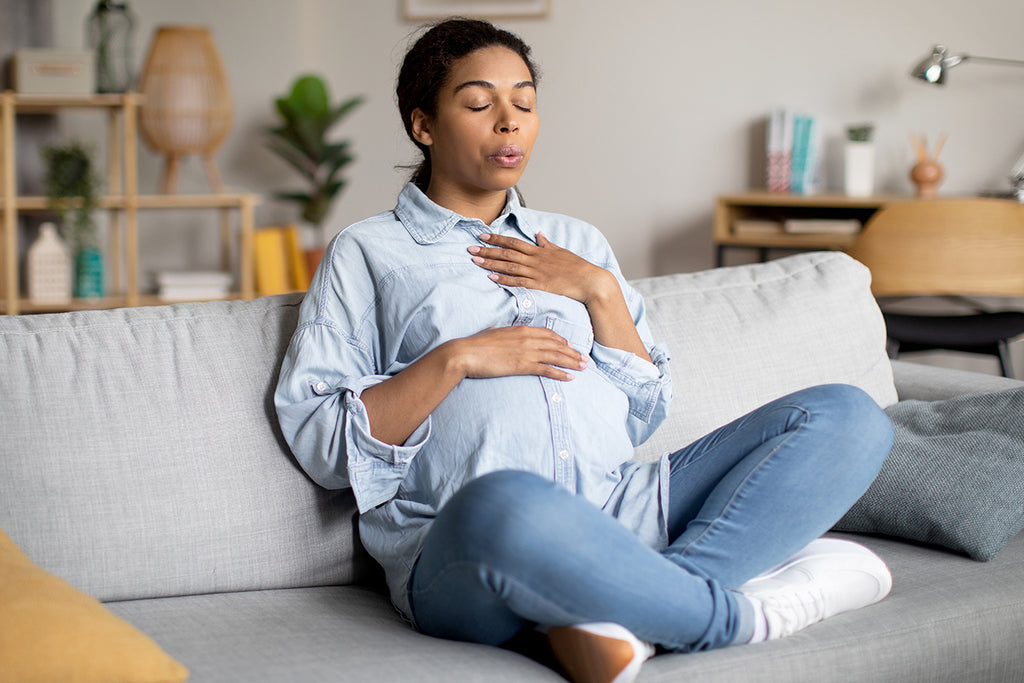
(504,9)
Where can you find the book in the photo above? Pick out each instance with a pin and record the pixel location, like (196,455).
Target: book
(794,152)
(280,262)
(798,157)
(755,226)
(835,226)
(780,142)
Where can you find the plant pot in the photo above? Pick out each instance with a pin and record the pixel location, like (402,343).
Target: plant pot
(859,169)
(89,273)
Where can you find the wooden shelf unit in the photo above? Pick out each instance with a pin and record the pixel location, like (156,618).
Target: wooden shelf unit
(121,200)
(781,207)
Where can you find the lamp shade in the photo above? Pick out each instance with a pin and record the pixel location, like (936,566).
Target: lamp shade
(933,68)
(187,107)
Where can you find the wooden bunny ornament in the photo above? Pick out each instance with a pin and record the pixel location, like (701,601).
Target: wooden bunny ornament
(927,173)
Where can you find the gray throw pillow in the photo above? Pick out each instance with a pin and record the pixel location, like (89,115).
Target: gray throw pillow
(955,476)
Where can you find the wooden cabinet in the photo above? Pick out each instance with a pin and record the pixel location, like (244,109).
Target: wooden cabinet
(121,200)
(733,211)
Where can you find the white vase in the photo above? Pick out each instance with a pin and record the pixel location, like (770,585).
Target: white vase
(859,169)
(49,268)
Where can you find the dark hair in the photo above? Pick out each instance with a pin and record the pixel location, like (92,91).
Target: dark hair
(428,64)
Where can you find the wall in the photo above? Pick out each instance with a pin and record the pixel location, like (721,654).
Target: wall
(649,108)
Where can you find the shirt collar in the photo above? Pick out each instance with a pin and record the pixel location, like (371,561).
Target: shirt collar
(428,222)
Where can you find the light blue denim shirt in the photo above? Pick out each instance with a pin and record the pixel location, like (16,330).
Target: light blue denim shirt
(393,287)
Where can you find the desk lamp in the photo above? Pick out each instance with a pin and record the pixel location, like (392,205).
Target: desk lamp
(933,68)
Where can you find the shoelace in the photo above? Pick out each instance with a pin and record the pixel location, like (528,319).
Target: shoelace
(787,614)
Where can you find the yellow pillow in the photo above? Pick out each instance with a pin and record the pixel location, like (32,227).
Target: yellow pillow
(51,632)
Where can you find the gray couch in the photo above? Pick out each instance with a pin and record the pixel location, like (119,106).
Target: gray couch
(140,460)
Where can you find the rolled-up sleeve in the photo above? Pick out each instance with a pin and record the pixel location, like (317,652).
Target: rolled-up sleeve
(317,399)
(646,384)
(324,420)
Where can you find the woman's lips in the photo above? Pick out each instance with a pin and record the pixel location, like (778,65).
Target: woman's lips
(508,156)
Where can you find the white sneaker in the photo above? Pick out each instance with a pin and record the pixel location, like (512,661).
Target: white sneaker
(828,577)
(599,652)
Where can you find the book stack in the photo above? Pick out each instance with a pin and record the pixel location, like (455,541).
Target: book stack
(192,285)
(795,149)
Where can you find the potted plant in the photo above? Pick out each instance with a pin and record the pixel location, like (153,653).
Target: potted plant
(72,187)
(301,139)
(859,161)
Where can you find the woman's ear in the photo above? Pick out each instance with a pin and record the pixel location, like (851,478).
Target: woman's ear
(421,127)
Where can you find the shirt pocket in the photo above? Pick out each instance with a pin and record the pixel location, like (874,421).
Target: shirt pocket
(581,337)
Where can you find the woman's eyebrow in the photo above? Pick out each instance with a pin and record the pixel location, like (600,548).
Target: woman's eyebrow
(491,86)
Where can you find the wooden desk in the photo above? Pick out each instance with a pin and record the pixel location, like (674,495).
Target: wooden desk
(780,207)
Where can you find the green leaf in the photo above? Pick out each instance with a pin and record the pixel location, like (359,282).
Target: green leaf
(342,111)
(301,197)
(316,210)
(300,162)
(309,97)
(338,164)
(334,188)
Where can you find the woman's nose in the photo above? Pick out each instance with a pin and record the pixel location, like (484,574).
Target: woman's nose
(506,123)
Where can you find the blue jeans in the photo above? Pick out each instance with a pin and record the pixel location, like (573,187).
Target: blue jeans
(512,550)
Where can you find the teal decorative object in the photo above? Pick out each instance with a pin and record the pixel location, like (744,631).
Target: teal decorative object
(89,273)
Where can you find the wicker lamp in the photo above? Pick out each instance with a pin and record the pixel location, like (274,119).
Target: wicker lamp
(187,110)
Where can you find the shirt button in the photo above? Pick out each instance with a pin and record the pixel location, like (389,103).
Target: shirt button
(557,398)
(320,387)
(590,337)
(527,303)
(563,454)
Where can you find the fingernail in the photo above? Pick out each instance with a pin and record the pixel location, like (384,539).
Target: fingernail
(493,276)
(477,260)
(485,237)
(474,250)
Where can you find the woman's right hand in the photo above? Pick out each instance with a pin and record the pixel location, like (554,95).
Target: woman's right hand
(396,406)
(519,350)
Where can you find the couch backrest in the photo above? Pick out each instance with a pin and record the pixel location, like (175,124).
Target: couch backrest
(140,454)
(740,337)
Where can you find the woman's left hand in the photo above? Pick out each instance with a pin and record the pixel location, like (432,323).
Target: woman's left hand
(544,266)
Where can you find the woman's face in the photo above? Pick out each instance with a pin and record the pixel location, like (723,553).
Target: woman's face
(486,123)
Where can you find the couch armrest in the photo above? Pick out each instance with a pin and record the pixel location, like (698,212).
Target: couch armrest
(932,383)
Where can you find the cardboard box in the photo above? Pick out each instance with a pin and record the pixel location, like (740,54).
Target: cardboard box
(37,71)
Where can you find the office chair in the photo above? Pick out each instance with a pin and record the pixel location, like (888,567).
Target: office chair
(956,248)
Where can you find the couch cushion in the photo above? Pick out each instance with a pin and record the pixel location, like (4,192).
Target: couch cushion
(955,476)
(947,619)
(51,632)
(328,634)
(742,336)
(141,456)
